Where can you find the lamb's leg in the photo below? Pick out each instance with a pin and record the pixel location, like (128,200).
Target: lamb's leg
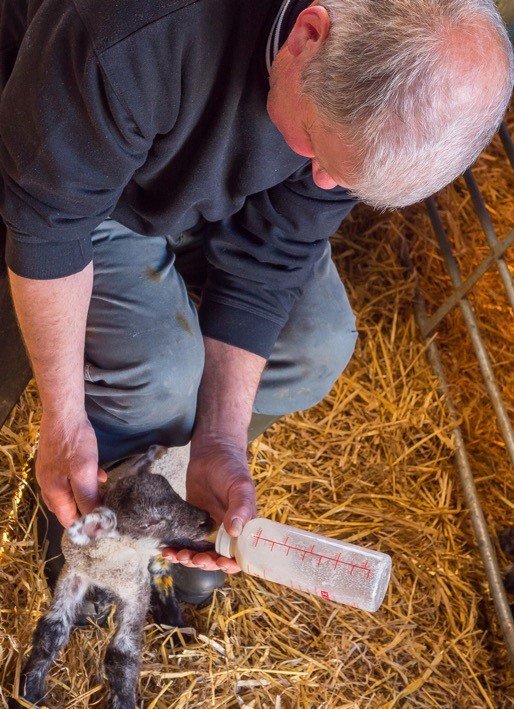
(123,656)
(101,522)
(52,632)
(164,606)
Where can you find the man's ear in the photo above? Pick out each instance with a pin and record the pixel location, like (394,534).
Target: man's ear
(309,32)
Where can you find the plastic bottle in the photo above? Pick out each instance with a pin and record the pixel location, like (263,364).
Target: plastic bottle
(335,570)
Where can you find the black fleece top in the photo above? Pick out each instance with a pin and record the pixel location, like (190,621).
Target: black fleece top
(154,112)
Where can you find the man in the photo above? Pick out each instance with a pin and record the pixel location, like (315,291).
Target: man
(216,144)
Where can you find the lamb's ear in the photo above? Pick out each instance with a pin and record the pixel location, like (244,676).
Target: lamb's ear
(136,464)
(155,452)
(144,463)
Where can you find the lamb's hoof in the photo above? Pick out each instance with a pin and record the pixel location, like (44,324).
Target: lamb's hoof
(165,610)
(99,523)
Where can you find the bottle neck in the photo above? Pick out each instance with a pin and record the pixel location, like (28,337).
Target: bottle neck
(225,544)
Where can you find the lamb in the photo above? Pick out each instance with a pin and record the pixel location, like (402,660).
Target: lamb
(116,548)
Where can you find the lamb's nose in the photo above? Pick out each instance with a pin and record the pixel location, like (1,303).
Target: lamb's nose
(206,522)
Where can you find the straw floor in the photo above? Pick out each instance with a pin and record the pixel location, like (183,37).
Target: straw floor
(371,464)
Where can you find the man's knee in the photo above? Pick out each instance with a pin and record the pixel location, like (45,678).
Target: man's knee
(313,348)
(141,395)
(144,348)
(324,356)
(140,406)
(306,375)
(330,349)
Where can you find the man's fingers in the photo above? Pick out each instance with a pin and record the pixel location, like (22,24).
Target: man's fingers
(229,566)
(67,515)
(62,504)
(170,555)
(67,466)
(64,496)
(208,561)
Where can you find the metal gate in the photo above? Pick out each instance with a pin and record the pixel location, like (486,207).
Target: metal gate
(428,326)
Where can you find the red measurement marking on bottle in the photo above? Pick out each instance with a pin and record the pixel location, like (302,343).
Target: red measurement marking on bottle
(336,560)
(256,537)
(324,594)
(305,551)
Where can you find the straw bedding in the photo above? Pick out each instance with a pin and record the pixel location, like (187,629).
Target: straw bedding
(371,464)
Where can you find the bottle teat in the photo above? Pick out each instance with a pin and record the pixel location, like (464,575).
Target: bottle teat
(224,543)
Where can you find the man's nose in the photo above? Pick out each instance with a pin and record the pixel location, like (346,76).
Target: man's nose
(321,179)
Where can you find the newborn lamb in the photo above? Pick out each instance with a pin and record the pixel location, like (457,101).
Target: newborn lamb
(116,547)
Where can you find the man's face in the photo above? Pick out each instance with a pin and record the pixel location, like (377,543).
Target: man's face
(298,120)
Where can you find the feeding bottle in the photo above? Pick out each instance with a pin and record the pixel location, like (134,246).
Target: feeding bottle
(335,570)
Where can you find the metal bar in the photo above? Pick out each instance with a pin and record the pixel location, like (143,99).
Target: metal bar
(507,143)
(496,252)
(490,234)
(478,522)
(476,338)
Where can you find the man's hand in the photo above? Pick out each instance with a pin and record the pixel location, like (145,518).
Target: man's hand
(67,467)
(218,480)
(52,316)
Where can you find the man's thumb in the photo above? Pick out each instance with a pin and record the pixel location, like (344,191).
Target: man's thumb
(85,494)
(241,508)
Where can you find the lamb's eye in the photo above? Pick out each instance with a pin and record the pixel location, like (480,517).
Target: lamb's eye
(146,525)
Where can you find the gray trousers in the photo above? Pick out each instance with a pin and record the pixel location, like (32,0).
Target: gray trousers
(144,352)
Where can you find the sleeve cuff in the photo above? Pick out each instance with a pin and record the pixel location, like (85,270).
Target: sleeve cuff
(42,261)
(239,328)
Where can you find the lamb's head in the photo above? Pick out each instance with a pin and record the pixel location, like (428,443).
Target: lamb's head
(147,506)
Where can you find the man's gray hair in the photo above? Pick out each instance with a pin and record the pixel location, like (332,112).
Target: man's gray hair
(392,81)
